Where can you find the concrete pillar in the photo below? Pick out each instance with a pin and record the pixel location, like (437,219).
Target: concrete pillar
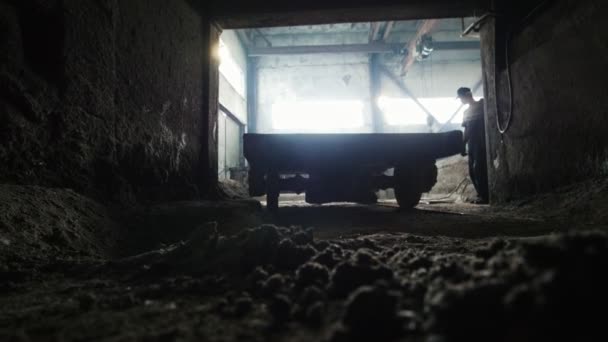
(374,85)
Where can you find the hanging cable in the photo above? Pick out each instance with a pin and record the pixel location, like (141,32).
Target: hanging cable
(509,88)
(508,70)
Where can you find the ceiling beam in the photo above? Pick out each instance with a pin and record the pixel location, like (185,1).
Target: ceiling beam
(242,34)
(373,31)
(376,47)
(230,14)
(314,49)
(263,37)
(457,45)
(387,30)
(426,26)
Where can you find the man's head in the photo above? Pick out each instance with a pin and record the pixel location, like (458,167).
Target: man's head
(465,95)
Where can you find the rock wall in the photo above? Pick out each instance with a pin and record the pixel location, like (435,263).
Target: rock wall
(560,100)
(106,97)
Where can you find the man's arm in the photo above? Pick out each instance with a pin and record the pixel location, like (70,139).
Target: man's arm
(465,134)
(465,138)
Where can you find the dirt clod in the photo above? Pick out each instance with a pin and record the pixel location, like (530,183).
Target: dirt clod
(280,308)
(351,274)
(314,314)
(371,311)
(312,273)
(243,305)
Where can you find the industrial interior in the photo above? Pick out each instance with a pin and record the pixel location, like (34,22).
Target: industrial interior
(303,171)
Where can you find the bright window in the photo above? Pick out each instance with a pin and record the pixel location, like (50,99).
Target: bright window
(231,69)
(404,111)
(317,116)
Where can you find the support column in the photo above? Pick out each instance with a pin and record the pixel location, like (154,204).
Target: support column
(374,87)
(252,94)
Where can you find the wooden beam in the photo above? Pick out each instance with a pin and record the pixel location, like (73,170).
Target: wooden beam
(376,47)
(425,27)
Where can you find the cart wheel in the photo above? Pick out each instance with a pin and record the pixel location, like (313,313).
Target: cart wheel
(257,185)
(412,181)
(272,191)
(406,198)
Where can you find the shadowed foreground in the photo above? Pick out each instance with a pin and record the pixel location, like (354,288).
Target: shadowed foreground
(351,273)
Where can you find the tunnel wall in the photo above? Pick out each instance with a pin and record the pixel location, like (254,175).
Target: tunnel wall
(105,97)
(560,100)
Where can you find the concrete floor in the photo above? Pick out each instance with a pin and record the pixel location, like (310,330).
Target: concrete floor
(446,219)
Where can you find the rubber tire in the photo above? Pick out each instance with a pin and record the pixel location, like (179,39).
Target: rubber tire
(407,187)
(272,202)
(256,182)
(407,199)
(272,191)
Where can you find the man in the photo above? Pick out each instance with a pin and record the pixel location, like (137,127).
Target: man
(475,139)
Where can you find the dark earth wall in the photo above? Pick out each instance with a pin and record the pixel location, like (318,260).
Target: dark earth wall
(560,98)
(106,97)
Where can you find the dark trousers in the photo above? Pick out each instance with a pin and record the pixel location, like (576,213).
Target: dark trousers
(478,168)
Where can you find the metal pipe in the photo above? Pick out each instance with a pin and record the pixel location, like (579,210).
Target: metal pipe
(231,115)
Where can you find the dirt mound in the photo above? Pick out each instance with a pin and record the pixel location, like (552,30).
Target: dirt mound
(453,181)
(580,203)
(149,227)
(543,289)
(387,286)
(232,189)
(42,225)
(209,252)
